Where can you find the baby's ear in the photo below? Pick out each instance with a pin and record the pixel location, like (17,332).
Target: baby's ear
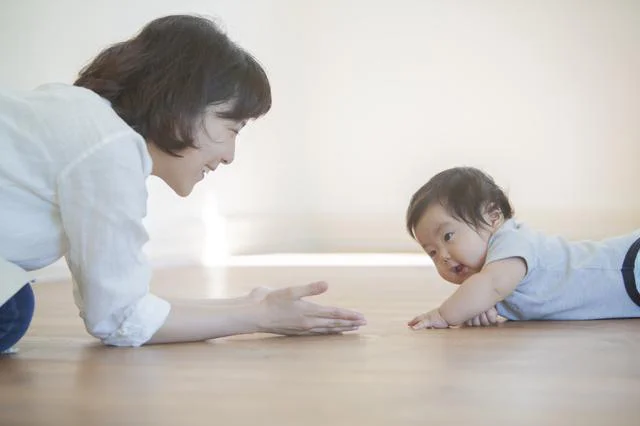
(493,214)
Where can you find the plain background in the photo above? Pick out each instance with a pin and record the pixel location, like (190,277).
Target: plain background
(373,97)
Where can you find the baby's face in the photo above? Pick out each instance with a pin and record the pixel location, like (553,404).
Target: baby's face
(457,249)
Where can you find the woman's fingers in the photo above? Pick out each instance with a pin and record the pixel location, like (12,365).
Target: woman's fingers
(334,323)
(331,312)
(283,312)
(298,292)
(324,330)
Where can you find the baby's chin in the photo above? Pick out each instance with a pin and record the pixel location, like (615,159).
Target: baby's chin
(458,278)
(453,279)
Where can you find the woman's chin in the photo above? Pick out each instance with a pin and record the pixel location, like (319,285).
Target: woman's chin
(183,191)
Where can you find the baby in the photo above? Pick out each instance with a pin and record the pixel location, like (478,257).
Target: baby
(465,223)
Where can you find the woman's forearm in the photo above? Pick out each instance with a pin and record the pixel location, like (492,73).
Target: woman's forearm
(282,311)
(233,301)
(197,320)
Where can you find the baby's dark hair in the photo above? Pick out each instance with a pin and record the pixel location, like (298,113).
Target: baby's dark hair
(465,192)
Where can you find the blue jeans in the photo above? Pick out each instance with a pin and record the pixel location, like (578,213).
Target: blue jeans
(15,317)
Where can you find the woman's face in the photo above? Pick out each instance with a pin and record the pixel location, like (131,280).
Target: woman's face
(215,139)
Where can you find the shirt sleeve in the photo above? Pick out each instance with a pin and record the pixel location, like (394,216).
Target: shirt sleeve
(102,197)
(512,242)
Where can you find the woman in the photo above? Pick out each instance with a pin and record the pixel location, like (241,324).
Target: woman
(168,102)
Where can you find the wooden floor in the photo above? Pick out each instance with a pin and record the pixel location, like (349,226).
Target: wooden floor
(533,373)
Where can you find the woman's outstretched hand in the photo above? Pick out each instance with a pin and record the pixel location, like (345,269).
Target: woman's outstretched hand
(281,311)
(284,312)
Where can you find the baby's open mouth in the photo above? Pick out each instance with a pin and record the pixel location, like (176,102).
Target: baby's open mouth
(458,269)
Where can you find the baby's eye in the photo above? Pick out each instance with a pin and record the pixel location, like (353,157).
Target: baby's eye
(448,236)
(431,253)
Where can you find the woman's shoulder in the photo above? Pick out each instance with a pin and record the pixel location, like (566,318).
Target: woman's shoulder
(61,108)
(66,123)
(80,106)
(59,125)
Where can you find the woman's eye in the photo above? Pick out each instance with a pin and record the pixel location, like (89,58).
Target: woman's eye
(448,236)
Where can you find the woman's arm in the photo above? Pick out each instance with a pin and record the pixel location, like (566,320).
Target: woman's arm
(102,201)
(102,198)
(278,311)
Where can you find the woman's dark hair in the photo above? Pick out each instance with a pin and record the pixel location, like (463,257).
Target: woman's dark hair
(162,80)
(465,192)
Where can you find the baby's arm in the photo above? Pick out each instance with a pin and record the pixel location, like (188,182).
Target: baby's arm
(481,291)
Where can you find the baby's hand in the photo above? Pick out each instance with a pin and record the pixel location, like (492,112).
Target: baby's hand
(431,319)
(486,318)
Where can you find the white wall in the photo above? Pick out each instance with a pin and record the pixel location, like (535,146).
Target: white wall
(544,95)
(373,97)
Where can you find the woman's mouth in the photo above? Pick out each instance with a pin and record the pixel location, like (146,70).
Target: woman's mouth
(204,172)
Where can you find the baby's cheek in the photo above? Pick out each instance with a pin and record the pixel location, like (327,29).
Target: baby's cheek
(443,273)
(475,257)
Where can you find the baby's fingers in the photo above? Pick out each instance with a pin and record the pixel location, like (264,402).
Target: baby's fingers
(420,325)
(484,320)
(492,316)
(415,321)
(473,322)
(420,322)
